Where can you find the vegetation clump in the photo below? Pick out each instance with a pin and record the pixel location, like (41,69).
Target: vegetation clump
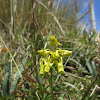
(52,57)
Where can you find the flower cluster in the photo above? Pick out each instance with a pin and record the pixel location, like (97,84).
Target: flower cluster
(51,57)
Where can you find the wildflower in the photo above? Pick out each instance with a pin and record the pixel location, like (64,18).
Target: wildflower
(54,54)
(54,41)
(53,57)
(42,66)
(47,64)
(44,52)
(60,66)
(65,52)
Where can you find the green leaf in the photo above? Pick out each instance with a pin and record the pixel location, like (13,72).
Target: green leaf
(15,79)
(89,66)
(6,80)
(94,68)
(9,67)
(5,86)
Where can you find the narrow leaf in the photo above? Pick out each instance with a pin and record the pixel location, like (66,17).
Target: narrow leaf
(5,86)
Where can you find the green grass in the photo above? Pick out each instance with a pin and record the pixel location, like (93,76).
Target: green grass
(21,38)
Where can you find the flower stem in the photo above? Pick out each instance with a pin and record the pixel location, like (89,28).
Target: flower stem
(51,85)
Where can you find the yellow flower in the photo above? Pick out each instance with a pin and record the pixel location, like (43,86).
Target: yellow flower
(44,52)
(60,66)
(42,66)
(54,41)
(47,64)
(53,57)
(55,54)
(65,52)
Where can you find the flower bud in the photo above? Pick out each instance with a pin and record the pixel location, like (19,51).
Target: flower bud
(54,41)
(60,66)
(65,52)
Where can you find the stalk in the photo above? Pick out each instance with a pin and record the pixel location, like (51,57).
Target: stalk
(51,85)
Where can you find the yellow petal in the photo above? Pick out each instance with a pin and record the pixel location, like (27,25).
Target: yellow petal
(65,52)
(47,64)
(60,66)
(41,66)
(55,54)
(44,52)
(54,41)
